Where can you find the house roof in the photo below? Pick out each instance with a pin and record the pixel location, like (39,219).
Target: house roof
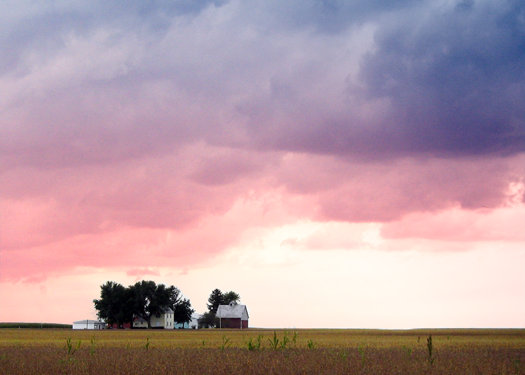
(231,311)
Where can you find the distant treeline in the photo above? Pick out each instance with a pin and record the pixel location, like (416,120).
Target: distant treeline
(34,325)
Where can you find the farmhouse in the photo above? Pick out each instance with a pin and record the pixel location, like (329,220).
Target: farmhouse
(89,324)
(232,316)
(165,320)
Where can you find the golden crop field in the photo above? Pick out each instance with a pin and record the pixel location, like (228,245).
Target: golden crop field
(252,351)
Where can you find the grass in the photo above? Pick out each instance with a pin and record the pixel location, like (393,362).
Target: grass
(35,351)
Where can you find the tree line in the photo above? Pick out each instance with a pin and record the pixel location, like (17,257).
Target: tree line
(119,305)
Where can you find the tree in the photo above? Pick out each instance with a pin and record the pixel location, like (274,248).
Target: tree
(229,297)
(115,305)
(208,320)
(182,311)
(175,297)
(150,299)
(142,294)
(216,299)
(181,307)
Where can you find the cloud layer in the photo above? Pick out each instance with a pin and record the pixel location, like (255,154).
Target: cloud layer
(174,129)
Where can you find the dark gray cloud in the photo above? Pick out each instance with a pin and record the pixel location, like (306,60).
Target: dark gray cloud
(90,82)
(441,80)
(29,27)
(325,16)
(455,79)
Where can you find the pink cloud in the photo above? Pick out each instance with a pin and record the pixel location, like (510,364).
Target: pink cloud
(119,245)
(501,224)
(181,210)
(348,190)
(141,272)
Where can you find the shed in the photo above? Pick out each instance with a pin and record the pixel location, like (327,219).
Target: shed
(89,324)
(233,316)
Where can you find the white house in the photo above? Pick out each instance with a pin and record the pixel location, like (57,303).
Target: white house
(139,322)
(194,323)
(233,316)
(89,324)
(165,320)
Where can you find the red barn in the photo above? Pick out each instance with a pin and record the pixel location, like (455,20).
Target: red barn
(232,316)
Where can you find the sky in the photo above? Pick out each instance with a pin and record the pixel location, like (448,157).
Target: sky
(339,164)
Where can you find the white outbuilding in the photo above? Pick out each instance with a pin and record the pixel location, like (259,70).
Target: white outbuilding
(89,324)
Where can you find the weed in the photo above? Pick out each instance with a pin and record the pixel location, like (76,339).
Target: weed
(430,349)
(362,354)
(407,350)
(226,342)
(146,346)
(294,338)
(70,348)
(92,346)
(274,343)
(284,341)
(254,345)
(310,344)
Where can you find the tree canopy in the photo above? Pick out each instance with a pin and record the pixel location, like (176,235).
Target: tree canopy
(216,299)
(144,299)
(183,311)
(229,297)
(115,305)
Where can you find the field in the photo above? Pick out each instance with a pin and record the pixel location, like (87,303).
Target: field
(63,351)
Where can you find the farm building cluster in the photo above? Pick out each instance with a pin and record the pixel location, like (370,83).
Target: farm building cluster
(232,315)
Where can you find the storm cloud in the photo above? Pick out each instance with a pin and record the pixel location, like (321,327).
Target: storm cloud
(169,115)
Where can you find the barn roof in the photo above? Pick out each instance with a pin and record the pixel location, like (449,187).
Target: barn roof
(232,310)
(88,321)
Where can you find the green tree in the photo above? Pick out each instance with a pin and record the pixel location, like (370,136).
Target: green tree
(150,299)
(175,296)
(182,311)
(229,297)
(208,320)
(216,299)
(115,304)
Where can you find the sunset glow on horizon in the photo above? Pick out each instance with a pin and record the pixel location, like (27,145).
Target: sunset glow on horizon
(338,164)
